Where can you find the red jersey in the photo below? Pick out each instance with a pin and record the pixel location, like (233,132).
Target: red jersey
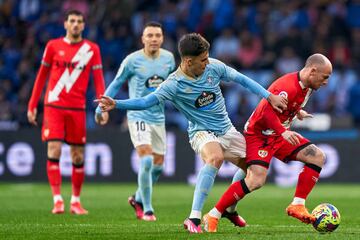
(268,122)
(69,65)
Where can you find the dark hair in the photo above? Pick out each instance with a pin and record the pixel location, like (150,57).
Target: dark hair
(153,24)
(73,12)
(192,44)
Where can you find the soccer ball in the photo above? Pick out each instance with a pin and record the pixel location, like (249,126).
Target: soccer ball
(327,218)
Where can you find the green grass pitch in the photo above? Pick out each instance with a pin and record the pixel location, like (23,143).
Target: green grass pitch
(25,213)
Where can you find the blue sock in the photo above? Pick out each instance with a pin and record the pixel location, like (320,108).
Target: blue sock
(144,191)
(156,171)
(204,183)
(239,175)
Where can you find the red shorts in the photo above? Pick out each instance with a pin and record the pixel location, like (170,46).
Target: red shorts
(261,149)
(64,125)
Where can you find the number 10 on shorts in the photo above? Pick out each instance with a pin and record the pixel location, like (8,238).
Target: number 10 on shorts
(140,126)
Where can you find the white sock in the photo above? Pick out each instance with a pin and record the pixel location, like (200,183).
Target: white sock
(57,198)
(231,209)
(74,199)
(195,214)
(215,213)
(298,201)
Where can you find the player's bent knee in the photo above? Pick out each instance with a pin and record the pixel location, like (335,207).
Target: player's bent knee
(256,177)
(54,153)
(158,159)
(78,159)
(216,160)
(318,159)
(54,150)
(255,184)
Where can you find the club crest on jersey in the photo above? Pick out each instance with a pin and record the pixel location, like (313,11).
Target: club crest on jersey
(262,153)
(205,100)
(153,82)
(283,94)
(61,53)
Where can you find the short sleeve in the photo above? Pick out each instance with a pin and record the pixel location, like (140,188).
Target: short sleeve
(166,90)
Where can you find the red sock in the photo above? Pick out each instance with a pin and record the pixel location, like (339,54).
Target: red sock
(77,179)
(307,180)
(233,194)
(53,172)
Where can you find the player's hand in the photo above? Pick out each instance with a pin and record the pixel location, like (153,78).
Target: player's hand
(106,103)
(302,114)
(31,115)
(102,118)
(279,103)
(292,137)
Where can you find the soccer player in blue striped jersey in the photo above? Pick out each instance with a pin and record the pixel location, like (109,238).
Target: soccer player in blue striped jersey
(145,70)
(194,89)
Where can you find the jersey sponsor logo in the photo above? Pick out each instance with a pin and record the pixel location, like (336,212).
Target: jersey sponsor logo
(153,82)
(283,94)
(205,100)
(67,80)
(263,153)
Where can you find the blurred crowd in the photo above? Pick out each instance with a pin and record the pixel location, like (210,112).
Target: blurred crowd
(263,39)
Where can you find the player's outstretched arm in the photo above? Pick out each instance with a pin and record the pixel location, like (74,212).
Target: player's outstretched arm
(279,103)
(107,103)
(114,87)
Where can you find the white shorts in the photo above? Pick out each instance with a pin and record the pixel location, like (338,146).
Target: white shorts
(233,142)
(150,134)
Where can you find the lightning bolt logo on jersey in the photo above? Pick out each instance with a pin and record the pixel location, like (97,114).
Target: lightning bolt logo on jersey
(67,79)
(70,69)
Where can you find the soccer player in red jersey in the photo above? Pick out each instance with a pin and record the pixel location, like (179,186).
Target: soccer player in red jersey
(69,61)
(268,134)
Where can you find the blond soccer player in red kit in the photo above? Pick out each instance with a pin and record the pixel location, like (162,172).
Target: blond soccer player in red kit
(267,134)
